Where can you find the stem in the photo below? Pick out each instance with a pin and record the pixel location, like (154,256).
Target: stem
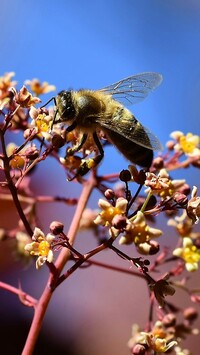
(65,253)
(13,189)
(64,256)
(39,314)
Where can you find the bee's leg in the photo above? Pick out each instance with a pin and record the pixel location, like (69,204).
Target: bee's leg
(78,145)
(99,157)
(90,163)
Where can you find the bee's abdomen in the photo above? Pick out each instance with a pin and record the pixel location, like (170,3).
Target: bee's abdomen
(135,153)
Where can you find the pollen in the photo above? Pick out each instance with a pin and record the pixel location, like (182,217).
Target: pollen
(41,124)
(43,248)
(109,213)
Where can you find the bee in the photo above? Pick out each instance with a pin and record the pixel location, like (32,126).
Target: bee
(104,110)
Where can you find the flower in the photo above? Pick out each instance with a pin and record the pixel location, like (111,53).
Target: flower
(138,231)
(25,99)
(162,288)
(183,224)
(17,161)
(162,185)
(136,337)
(179,351)
(41,121)
(189,253)
(188,144)
(39,88)
(6,83)
(159,345)
(109,211)
(87,219)
(193,206)
(41,247)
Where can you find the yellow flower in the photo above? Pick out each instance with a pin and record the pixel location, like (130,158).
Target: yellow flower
(158,344)
(41,247)
(109,211)
(182,224)
(138,231)
(189,253)
(18,160)
(41,122)
(39,88)
(187,144)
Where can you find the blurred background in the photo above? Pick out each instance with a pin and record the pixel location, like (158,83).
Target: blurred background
(87,44)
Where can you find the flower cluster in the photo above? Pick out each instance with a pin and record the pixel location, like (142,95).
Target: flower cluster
(166,333)
(126,219)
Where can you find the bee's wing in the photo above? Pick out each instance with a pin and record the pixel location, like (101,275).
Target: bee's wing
(132,130)
(134,88)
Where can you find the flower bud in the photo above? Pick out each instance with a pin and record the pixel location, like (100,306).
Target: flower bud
(180,199)
(32,153)
(185,189)
(109,194)
(57,141)
(155,247)
(190,313)
(158,163)
(139,349)
(169,320)
(170,145)
(119,222)
(125,175)
(56,227)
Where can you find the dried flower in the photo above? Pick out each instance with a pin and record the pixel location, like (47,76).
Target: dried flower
(193,206)
(162,185)
(25,99)
(161,289)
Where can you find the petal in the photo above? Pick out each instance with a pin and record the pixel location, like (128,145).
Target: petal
(37,233)
(50,238)
(191,266)
(121,203)
(40,261)
(103,204)
(178,252)
(50,256)
(187,242)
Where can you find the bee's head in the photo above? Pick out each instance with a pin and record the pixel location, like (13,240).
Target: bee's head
(65,105)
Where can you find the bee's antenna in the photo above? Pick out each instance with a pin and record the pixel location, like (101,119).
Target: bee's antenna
(51,99)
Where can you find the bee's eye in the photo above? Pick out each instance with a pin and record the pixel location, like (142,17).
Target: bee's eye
(65,104)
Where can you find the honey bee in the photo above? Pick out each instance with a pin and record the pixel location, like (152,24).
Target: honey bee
(91,111)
